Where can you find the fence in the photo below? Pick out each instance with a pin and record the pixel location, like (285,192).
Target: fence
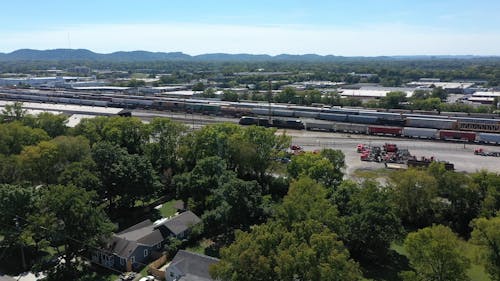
(154,267)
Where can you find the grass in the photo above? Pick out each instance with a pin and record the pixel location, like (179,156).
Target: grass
(167,209)
(373,174)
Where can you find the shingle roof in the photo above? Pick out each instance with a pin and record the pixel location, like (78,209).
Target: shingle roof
(193,266)
(181,222)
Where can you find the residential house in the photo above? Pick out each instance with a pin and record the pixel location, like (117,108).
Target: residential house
(189,266)
(133,247)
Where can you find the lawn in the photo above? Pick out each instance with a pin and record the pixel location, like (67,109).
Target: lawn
(167,209)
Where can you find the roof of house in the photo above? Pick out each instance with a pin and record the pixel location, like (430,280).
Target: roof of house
(193,266)
(181,222)
(149,233)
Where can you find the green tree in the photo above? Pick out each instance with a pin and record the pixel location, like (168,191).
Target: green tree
(165,140)
(14,136)
(307,200)
(15,201)
(288,95)
(325,167)
(12,112)
(370,219)
(69,216)
(435,253)
(236,204)
(440,93)
(486,234)
(415,196)
(53,124)
(393,99)
(125,177)
(199,86)
(305,251)
(230,96)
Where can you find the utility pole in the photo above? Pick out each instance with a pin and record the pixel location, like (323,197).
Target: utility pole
(269,97)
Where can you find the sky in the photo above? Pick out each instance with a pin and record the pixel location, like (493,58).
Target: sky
(346,27)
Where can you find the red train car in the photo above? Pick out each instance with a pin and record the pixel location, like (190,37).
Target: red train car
(457,135)
(383,130)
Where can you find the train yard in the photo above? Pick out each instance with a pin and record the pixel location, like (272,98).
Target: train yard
(455,127)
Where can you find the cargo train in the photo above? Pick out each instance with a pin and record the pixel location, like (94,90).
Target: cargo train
(408,132)
(459,122)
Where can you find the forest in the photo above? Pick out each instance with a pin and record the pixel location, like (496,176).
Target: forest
(63,191)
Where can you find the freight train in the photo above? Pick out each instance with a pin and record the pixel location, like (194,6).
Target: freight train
(457,126)
(408,132)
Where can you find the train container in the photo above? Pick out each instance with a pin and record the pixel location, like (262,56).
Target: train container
(421,133)
(382,130)
(260,111)
(363,119)
(351,128)
(383,115)
(306,114)
(339,110)
(333,117)
(431,123)
(318,125)
(477,120)
(282,112)
(488,138)
(210,108)
(457,135)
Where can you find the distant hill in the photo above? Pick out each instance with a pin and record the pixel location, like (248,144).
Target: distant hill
(83,54)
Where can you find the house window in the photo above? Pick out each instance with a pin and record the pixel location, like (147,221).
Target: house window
(122,261)
(145,252)
(132,259)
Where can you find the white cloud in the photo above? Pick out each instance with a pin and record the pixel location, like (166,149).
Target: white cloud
(390,39)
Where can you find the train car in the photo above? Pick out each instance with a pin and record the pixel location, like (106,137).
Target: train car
(419,122)
(318,125)
(249,120)
(420,133)
(362,119)
(383,115)
(306,114)
(288,123)
(383,130)
(333,117)
(282,112)
(457,135)
(260,111)
(488,138)
(351,128)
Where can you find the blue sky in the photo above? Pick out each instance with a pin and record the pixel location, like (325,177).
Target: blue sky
(355,27)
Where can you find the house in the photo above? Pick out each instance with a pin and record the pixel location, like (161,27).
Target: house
(189,266)
(133,247)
